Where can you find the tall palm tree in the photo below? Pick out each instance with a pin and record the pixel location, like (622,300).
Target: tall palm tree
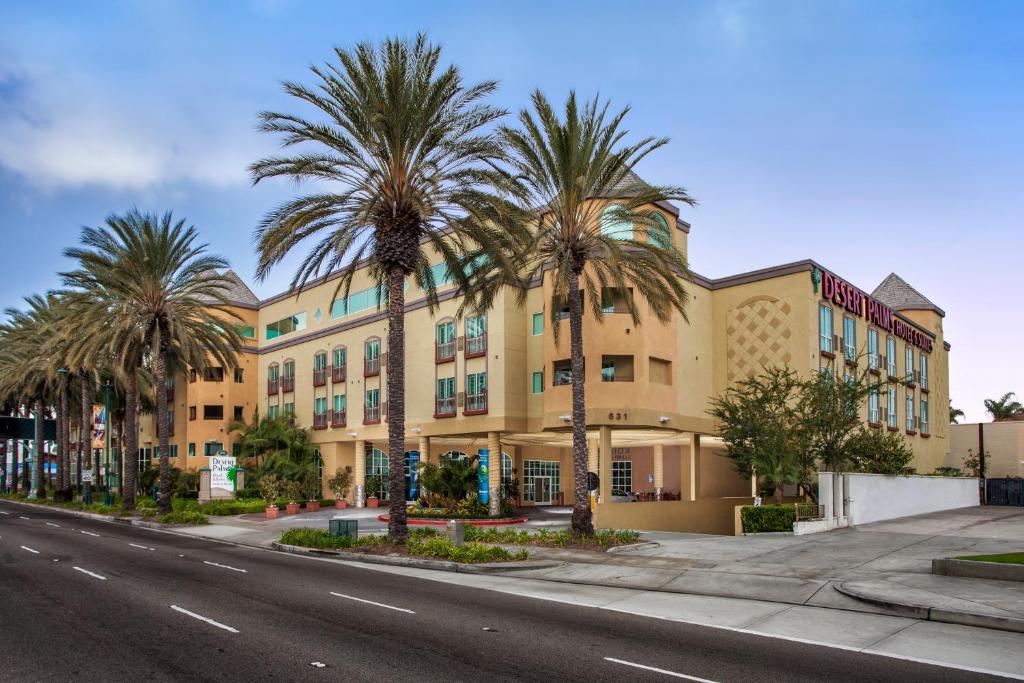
(1004,407)
(954,414)
(404,168)
(151,292)
(565,168)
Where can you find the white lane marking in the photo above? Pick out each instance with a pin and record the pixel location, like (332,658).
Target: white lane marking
(25,547)
(371,602)
(657,670)
(93,575)
(224,566)
(52,524)
(4,513)
(144,547)
(202,618)
(89,533)
(20,517)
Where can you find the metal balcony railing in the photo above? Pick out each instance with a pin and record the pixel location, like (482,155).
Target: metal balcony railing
(320,421)
(444,351)
(338,418)
(371,366)
(445,406)
(476,346)
(273,386)
(337,373)
(613,377)
(476,403)
(320,377)
(288,384)
(371,414)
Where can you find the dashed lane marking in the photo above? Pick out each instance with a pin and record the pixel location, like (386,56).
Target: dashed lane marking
(208,620)
(666,672)
(371,602)
(52,524)
(89,533)
(92,574)
(25,547)
(224,566)
(143,547)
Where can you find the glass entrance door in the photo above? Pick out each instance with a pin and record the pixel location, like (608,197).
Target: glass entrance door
(542,490)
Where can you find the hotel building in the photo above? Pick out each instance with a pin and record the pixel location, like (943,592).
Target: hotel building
(499,383)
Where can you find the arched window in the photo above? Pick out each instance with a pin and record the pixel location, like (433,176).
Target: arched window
(659,234)
(444,348)
(339,362)
(506,467)
(613,226)
(320,369)
(273,379)
(371,356)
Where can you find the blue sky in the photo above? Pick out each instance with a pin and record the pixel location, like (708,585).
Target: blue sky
(870,136)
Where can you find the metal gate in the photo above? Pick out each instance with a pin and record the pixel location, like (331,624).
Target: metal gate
(1005,491)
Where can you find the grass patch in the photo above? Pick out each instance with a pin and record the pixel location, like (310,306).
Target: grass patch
(1002,558)
(185,517)
(561,538)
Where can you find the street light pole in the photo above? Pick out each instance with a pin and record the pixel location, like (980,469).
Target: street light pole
(107,498)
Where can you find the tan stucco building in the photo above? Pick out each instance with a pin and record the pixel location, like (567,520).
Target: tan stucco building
(500,382)
(1003,443)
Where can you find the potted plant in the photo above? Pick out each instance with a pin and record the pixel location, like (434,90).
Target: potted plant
(311,485)
(340,483)
(269,490)
(373,485)
(292,491)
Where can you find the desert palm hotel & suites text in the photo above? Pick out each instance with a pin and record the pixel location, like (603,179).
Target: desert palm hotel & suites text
(499,383)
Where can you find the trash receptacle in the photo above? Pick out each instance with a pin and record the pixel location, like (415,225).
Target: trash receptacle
(456,531)
(338,526)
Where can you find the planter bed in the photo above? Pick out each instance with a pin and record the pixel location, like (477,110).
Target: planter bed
(422,543)
(443,521)
(1004,569)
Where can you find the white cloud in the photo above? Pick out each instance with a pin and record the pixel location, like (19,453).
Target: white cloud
(58,131)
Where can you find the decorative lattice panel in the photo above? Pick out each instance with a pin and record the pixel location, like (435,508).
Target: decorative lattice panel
(758,334)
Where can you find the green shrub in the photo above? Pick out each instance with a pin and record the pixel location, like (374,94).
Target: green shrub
(220,508)
(321,538)
(603,538)
(185,517)
(767,518)
(441,548)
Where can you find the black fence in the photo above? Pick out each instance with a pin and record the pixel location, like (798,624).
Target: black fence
(1005,491)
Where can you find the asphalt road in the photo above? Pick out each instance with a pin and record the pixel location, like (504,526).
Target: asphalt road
(105,602)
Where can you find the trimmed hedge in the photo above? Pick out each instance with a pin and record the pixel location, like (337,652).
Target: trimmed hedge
(767,518)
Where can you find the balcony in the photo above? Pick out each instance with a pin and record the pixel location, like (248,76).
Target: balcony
(338,418)
(288,384)
(476,404)
(476,346)
(320,421)
(371,415)
(371,366)
(444,351)
(320,377)
(273,386)
(444,407)
(338,373)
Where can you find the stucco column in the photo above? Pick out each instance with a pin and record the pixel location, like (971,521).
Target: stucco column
(424,449)
(592,462)
(837,494)
(753,484)
(359,485)
(494,472)
(605,458)
(691,464)
(659,469)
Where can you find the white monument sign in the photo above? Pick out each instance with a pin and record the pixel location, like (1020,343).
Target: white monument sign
(221,473)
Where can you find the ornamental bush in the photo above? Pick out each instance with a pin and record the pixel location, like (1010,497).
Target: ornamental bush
(764,518)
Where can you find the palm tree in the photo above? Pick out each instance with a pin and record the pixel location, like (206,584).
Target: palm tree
(403,165)
(152,294)
(955,414)
(564,169)
(1004,407)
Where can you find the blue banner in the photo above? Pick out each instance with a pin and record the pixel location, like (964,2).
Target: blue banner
(483,477)
(413,459)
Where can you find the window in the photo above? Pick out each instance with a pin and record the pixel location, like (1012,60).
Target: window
(274,372)
(192,375)
(562,372)
(211,448)
(873,360)
(613,225)
(890,356)
(445,396)
(849,338)
(293,323)
(908,363)
(273,411)
(541,480)
(340,403)
(340,357)
(371,356)
(213,412)
(538,324)
(660,371)
(289,369)
(910,411)
(890,407)
(246,331)
(476,392)
(924,416)
(825,328)
(506,469)
(622,477)
(615,299)
(213,374)
(924,372)
(320,405)
(239,414)
(236,449)
(289,409)
(356,302)
(377,467)
(538,382)
(445,349)
(371,407)
(659,233)
(476,335)
(239,375)
(616,368)
(191,450)
(191,412)
(145,455)
(873,415)
(320,369)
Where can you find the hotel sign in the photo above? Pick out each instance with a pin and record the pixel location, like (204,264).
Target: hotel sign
(841,293)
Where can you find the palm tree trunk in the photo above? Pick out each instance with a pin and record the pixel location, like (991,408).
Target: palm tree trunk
(3,466)
(85,430)
(582,520)
(130,439)
(40,490)
(396,404)
(63,433)
(160,382)
(58,442)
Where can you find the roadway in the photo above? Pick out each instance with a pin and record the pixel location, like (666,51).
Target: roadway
(93,599)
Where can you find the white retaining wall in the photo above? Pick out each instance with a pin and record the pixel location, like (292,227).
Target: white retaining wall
(877,497)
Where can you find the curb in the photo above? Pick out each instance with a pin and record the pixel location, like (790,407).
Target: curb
(642,545)
(416,562)
(938,614)
(421,521)
(972,569)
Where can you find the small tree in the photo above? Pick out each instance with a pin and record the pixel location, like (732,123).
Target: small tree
(270,488)
(972,462)
(451,481)
(877,452)
(341,482)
